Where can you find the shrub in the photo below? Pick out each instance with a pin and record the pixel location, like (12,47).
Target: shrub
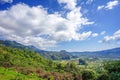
(88,75)
(103,77)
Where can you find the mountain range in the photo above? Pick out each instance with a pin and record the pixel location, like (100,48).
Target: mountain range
(64,55)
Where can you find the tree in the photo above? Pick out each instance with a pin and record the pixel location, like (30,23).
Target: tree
(82,62)
(103,77)
(113,68)
(88,75)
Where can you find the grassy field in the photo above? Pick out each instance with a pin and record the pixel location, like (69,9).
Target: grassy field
(10,74)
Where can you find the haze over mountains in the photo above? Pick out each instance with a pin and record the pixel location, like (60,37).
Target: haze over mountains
(64,55)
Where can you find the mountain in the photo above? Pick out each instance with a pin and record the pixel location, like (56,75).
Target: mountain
(110,53)
(52,55)
(15,44)
(64,55)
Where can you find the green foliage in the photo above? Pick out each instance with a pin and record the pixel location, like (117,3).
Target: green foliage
(82,62)
(11,57)
(9,74)
(29,63)
(52,55)
(72,67)
(88,75)
(114,76)
(113,68)
(56,55)
(103,76)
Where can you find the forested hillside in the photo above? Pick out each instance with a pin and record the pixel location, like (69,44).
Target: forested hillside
(30,63)
(64,55)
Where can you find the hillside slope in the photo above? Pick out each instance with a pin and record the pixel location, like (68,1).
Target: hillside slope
(52,55)
(30,63)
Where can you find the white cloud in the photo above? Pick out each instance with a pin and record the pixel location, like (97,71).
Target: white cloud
(110,5)
(100,7)
(103,32)
(94,34)
(69,4)
(35,26)
(114,37)
(6,1)
(84,35)
(89,1)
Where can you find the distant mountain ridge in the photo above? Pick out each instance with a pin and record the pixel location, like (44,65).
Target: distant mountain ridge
(64,55)
(15,44)
(110,53)
(54,55)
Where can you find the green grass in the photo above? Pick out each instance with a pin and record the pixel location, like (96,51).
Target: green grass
(10,74)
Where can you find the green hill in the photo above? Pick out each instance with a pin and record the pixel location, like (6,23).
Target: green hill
(10,57)
(52,55)
(26,63)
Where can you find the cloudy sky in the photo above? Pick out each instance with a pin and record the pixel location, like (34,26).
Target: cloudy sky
(72,25)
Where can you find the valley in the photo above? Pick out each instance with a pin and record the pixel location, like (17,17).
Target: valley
(23,63)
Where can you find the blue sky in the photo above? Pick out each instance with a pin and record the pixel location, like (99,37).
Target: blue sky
(72,25)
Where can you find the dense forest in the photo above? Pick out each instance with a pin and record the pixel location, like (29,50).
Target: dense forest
(22,64)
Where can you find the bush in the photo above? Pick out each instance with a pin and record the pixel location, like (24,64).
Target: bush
(113,68)
(103,77)
(115,76)
(88,75)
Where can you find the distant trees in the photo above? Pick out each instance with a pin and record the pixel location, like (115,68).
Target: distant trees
(82,62)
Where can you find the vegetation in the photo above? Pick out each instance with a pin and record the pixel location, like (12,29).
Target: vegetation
(113,70)
(88,75)
(82,62)
(9,74)
(24,64)
(28,62)
(64,55)
(51,55)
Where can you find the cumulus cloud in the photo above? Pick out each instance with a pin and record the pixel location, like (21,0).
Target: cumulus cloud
(35,26)
(110,5)
(94,34)
(6,1)
(69,4)
(114,37)
(103,32)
